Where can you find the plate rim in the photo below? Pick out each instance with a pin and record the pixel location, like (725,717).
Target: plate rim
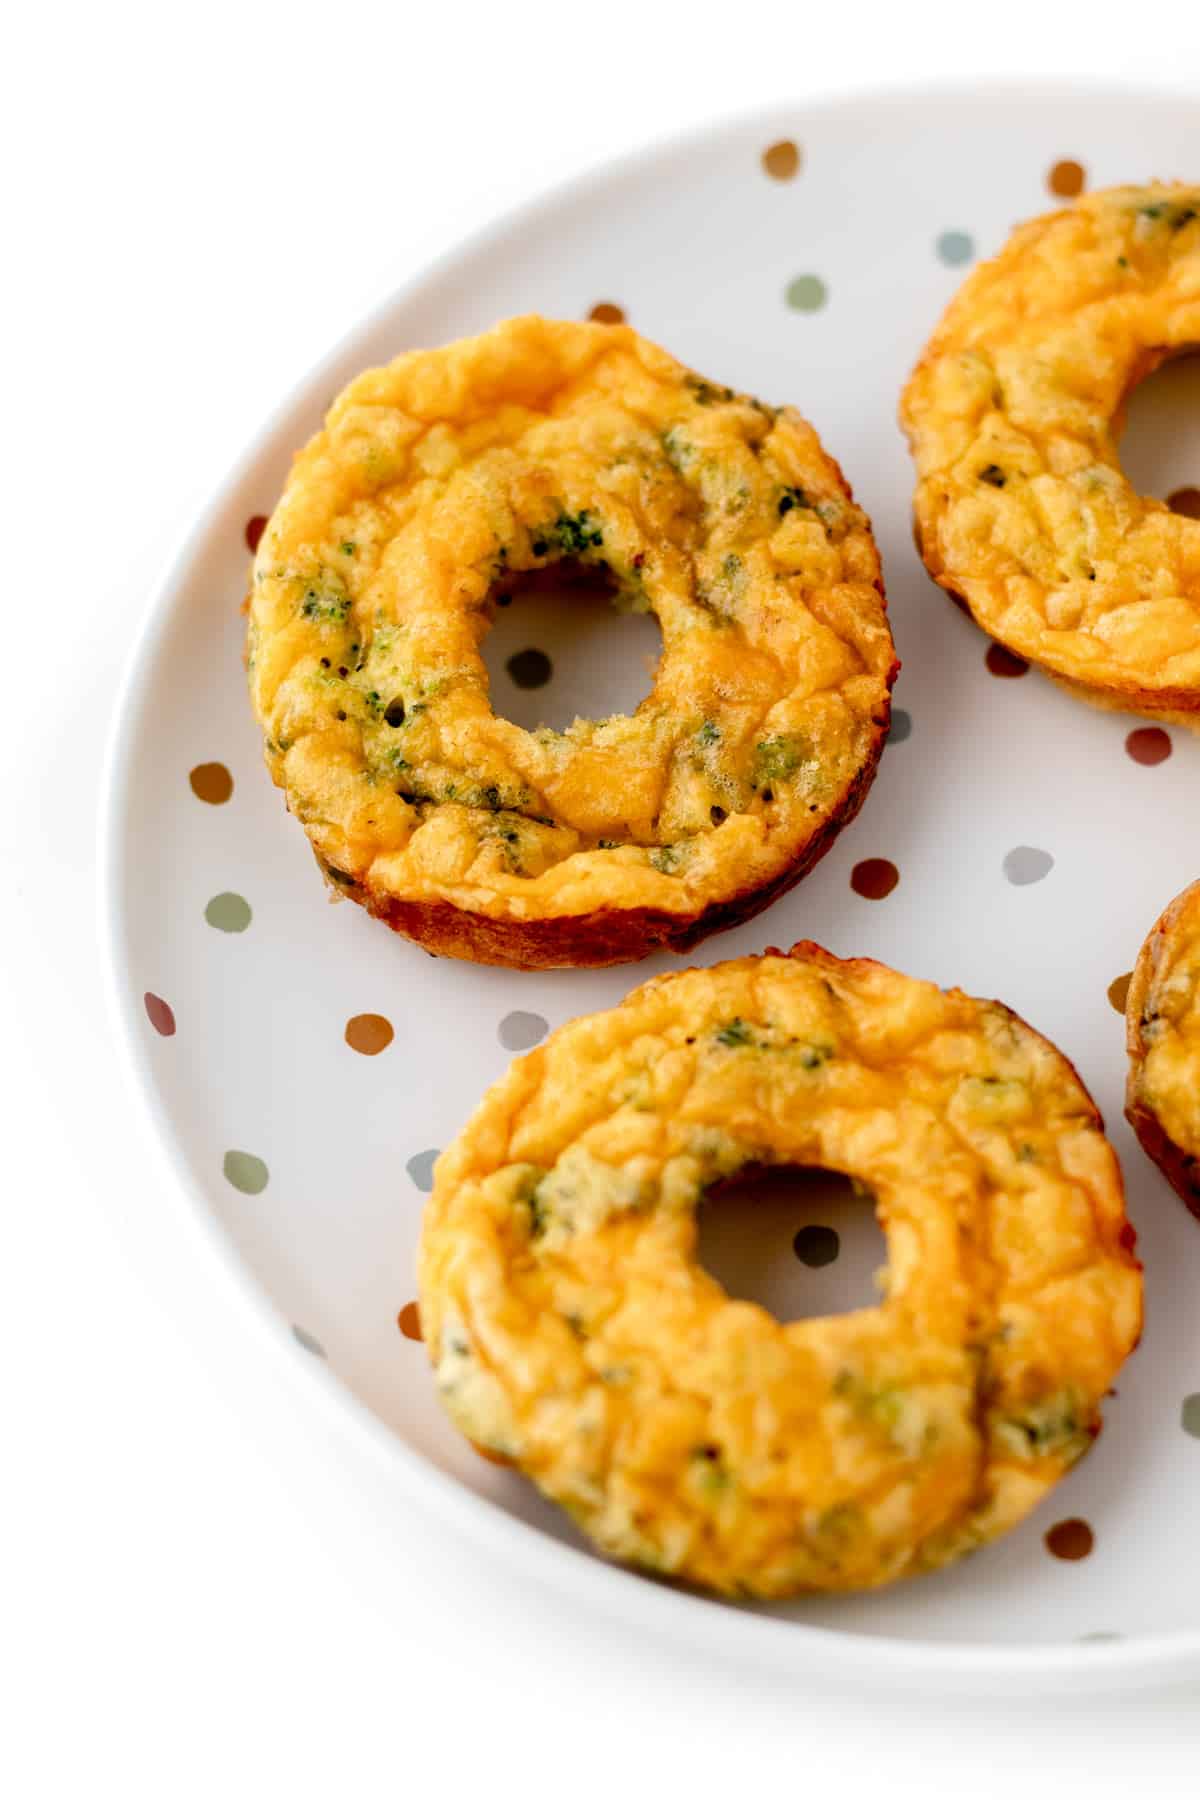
(665,1612)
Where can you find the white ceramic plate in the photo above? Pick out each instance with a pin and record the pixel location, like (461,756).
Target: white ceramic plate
(818,284)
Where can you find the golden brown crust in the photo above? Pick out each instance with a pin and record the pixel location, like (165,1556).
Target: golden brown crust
(573,1331)
(1144,1108)
(600,939)
(1021,510)
(453,476)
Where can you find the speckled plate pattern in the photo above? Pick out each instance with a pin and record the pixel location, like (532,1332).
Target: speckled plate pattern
(303,1066)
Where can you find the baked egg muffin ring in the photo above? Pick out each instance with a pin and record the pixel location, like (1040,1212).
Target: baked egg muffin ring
(573,1331)
(1013,413)
(1162,1017)
(441,482)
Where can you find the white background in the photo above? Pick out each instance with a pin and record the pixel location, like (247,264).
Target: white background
(206,1587)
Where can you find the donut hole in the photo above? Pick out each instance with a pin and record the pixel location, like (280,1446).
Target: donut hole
(802,1242)
(560,648)
(1160,434)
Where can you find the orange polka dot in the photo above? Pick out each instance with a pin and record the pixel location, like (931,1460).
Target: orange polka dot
(159,1015)
(254,530)
(782,160)
(875,878)
(1066,179)
(607,312)
(1070,1540)
(409,1321)
(1005,663)
(211,782)
(1186,502)
(1118,992)
(369,1033)
(1148,745)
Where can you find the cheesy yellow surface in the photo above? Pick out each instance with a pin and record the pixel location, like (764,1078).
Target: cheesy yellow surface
(442,479)
(572,1330)
(1164,1031)
(1012,413)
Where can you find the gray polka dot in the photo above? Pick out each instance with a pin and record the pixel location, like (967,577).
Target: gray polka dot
(816,1245)
(247,1173)
(955,247)
(307,1341)
(1189,1415)
(901,727)
(228,912)
(420,1169)
(530,668)
(1025,865)
(522,1030)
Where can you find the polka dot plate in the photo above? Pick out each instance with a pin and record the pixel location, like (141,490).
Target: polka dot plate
(1016,843)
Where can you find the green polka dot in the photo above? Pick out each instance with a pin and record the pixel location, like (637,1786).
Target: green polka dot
(955,248)
(1189,1415)
(228,912)
(806,293)
(247,1173)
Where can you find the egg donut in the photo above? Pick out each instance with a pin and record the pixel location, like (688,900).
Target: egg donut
(1162,1020)
(441,483)
(1013,412)
(573,1331)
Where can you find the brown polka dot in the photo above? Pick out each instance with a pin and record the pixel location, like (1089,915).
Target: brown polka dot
(369,1033)
(211,782)
(159,1015)
(409,1321)
(875,878)
(1148,745)
(1070,1539)
(1118,992)
(607,312)
(1004,663)
(782,160)
(1066,179)
(1185,501)
(254,530)
(492,1456)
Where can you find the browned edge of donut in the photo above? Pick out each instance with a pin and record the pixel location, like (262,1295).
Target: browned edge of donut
(612,935)
(1177,706)
(1178,1165)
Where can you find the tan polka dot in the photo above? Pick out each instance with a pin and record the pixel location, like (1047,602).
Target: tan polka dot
(409,1321)
(1148,745)
(211,782)
(369,1033)
(1186,501)
(1070,1539)
(254,530)
(1118,992)
(607,312)
(875,878)
(781,160)
(1005,663)
(1066,179)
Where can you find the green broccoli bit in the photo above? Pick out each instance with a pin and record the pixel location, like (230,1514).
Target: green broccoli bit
(776,758)
(326,603)
(735,1034)
(575,533)
(705,394)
